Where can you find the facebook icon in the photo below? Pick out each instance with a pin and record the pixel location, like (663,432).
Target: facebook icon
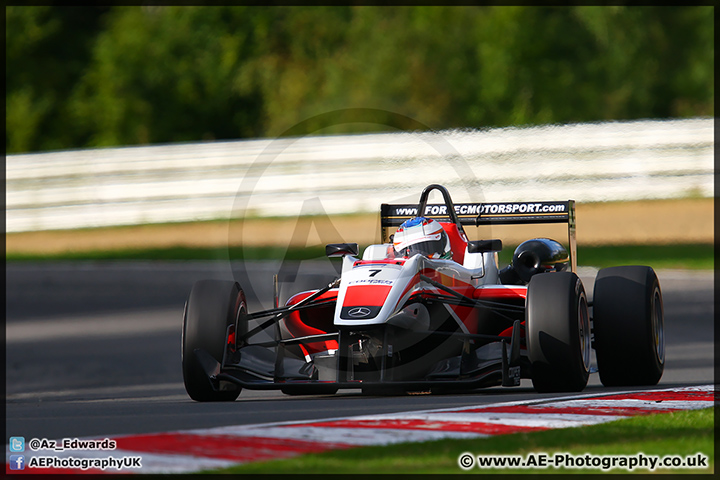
(17,462)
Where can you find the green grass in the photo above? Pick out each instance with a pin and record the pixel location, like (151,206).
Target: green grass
(693,256)
(690,256)
(696,256)
(683,434)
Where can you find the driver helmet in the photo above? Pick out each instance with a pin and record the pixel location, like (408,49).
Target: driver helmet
(423,236)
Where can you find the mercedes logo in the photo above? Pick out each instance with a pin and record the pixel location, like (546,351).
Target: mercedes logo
(359,312)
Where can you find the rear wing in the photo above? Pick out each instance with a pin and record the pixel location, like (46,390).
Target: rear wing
(497,213)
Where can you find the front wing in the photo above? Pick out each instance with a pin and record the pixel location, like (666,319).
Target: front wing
(366,358)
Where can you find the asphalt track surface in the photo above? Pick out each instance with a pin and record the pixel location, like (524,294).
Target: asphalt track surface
(93,349)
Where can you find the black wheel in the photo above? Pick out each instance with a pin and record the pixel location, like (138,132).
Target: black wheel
(212,306)
(558,332)
(628,323)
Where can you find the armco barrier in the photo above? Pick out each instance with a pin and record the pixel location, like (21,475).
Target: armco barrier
(356,173)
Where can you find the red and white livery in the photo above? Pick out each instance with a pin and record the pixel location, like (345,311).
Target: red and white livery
(431,310)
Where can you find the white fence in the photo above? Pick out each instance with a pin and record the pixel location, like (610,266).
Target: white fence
(354,173)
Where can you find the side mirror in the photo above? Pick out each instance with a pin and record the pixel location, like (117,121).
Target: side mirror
(481,246)
(341,249)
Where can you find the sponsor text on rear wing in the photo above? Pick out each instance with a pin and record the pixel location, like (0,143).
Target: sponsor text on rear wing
(494,213)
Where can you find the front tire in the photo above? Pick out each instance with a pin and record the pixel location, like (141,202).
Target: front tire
(558,332)
(212,306)
(628,323)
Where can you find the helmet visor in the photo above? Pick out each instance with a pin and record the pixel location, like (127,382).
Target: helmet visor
(427,248)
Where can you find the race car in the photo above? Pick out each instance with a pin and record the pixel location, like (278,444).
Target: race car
(427,309)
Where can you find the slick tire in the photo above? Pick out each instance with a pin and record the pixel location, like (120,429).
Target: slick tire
(628,323)
(212,306)
(558,332)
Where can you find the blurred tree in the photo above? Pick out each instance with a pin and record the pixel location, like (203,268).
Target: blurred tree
(170,74)
(416,61)
(299,55)
(652,62)
(574,64)
(101,76)
(46,50)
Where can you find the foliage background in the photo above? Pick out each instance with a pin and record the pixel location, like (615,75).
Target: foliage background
(81,77)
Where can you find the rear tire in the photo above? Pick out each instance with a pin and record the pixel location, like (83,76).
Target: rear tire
(558,332)
(212,306)
(628,323)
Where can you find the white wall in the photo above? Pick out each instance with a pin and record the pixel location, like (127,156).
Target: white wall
(345,174)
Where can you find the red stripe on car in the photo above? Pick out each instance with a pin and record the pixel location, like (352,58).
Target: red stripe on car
(366,295)
(504,292)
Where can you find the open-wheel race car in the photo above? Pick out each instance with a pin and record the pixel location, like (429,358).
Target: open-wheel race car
(429,310)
